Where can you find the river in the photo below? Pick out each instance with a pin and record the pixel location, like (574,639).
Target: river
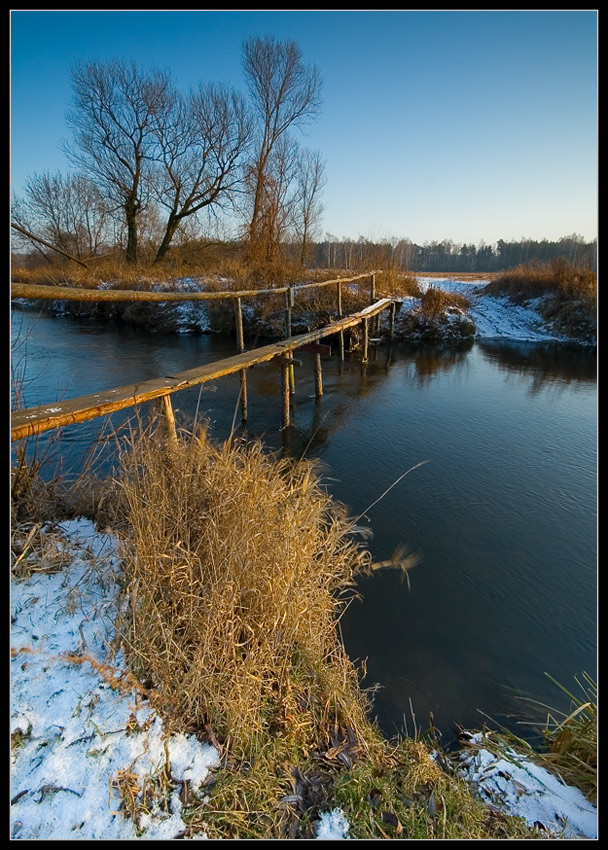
(500,503)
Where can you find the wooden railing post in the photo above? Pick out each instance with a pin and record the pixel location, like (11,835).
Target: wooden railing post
(375,322)
(170,420)
(289,303)
(340,316)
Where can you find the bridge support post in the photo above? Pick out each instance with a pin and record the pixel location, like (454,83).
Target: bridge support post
(339,292)
(286,367)
(365,340)
(240,344)
(375,322)
(170,420)
(318,376)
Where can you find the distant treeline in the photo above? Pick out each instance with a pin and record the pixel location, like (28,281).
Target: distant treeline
(448,256)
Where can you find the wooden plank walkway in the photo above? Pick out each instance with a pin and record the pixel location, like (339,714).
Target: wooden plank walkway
(36,420)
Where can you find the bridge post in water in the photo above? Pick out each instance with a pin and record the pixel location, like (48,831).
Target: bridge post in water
(240,345)
(318,376)
(286,366)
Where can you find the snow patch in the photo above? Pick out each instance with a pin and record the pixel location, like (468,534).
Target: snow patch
(74,734)
(517,785)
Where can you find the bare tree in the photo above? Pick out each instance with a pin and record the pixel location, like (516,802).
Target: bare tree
(68,211)
(285,93)
(201,145)
(307,206)
(115,111)
(277,199)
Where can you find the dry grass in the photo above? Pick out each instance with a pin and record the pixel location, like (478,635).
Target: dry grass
(237,563)
(571,739)
(238,566)
(559,278)
(398,284)
(570,309)
(435,301)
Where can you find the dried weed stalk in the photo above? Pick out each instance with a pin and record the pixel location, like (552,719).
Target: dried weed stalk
(238,564)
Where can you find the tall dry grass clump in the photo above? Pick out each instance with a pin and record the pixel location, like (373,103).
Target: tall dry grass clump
(237,565)
(434,301)
(569,292)
(559,277)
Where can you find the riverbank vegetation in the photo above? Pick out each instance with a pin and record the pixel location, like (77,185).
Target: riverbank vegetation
(567,294)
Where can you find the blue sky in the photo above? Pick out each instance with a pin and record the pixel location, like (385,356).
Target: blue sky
(435,125)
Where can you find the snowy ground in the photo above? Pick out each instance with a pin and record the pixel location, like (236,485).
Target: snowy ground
(496,318)
(80,732)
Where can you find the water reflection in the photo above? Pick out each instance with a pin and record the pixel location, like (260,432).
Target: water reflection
(503,514)
(545,363)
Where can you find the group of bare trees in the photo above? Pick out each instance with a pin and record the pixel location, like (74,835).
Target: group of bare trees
(148,159)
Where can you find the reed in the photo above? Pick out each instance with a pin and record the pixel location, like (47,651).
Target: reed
(533,279)
(570,737)
(238,564)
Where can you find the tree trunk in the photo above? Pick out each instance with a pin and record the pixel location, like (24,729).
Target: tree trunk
(167,238)
(132,208)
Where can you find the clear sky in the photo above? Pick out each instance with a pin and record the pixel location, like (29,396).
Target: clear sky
(461,125)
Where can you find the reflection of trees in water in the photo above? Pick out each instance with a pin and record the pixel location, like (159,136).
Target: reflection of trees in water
(431,359)
(557,364)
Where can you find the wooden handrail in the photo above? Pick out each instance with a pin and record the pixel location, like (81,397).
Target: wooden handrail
(67,293)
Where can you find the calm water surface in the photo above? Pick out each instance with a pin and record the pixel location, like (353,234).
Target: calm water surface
(502,512)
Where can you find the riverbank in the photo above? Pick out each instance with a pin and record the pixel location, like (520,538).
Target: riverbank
(474,313)
(92,758)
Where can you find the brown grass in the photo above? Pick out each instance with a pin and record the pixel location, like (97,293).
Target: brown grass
(571,738)
(570,309)
(237,565)
(435,301)
(561,278)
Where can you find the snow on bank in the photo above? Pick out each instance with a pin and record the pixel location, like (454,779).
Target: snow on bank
(189,316)
(515,784)
(496,318)
(76,739)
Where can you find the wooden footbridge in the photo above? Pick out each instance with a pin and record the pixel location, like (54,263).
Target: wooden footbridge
(36,420)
